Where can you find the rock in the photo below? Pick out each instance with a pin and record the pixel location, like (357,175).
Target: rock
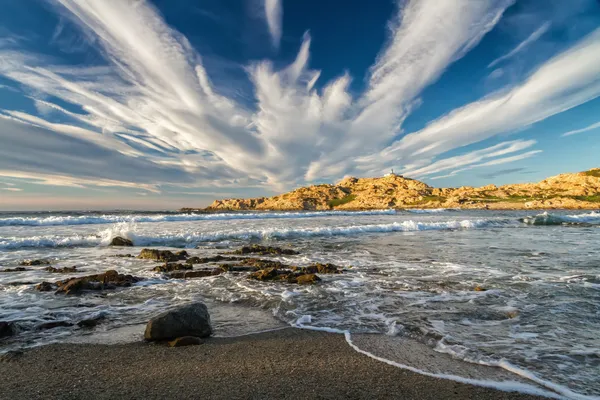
(45,286)
(266,274)
(64,270)
(236,268)
(163,255)
(320,268)
(205,260)
(307,279)
(7,329)
(53,324)
(169,267)
(121,241)
(264,250)
(186,341)
(35,262)
(17,269)
(108,280)
(123,255)
(191,319)
(479,289)
(202,273)
(90,322)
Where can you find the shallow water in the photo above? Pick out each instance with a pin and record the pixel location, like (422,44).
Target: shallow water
(410,274)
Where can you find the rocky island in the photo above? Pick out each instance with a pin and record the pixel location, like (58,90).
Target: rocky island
(565,191)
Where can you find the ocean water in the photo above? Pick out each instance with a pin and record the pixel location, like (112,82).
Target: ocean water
(410,274)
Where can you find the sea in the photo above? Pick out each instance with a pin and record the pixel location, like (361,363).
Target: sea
(517,290)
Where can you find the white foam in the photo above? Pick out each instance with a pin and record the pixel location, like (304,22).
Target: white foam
(430,210)
(559,391)
(134,218)
(192,238)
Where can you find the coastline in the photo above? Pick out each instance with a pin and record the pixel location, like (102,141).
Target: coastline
(284,363)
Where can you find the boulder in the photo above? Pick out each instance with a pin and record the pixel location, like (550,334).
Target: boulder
(121,241)
(64,270)
(191,319)
(307,279)
(7,329)
(186,341)
(163,255)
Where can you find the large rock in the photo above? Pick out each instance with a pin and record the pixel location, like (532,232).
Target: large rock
(7,329)
(121,241)
(111,279)
(191,319)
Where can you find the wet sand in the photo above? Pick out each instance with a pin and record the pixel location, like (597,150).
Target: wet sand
(283,364)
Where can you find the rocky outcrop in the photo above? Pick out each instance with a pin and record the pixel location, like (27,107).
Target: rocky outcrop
(121,241)
(17,269)
(189,320)
(110,279)
(163,255)
(200,273)
(577,190)
(170,267)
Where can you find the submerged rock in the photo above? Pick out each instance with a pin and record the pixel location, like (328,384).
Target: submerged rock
(186,341)
(17,269)
(109,280)
(35,262)
(124,255)
(169,267)
(64,270)
(53,324)
(7,329)
(320,268)
(307,279)
(189,320)
(45,286)
(206,260)
(201,273)
(265,250)
(90,322)
(121,241)
(163,255)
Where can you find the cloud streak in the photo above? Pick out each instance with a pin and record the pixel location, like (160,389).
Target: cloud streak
(586,129)
(535,35)
(274,16)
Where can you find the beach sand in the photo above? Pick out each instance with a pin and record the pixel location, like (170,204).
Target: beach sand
(284,364)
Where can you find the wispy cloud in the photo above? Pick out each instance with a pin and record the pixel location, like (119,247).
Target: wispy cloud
(12,189)
(535,35)
(586,129)
(565,81)
(274,16)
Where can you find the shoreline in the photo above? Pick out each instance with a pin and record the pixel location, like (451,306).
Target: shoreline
(491,207)
(282,363)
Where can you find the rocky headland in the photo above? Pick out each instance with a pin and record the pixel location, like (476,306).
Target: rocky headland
(566,191)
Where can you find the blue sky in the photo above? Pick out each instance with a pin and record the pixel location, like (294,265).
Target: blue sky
(170,103)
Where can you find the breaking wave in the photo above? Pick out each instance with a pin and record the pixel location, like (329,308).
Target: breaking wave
(192,238)
(57,220)
(592,218)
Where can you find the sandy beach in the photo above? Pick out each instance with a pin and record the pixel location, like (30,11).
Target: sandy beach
(289,363)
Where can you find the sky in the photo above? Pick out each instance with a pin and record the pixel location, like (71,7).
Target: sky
(162,104)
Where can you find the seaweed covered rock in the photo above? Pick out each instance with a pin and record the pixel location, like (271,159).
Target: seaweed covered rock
(64,270)
(189,320)
(109,280)
(121,241)
(169,267)
(264,250)
(163,255)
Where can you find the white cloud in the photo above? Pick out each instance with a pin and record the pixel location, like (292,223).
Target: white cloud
(274,15)
(535,35)
(152,115)
(586,129)
(12,189)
